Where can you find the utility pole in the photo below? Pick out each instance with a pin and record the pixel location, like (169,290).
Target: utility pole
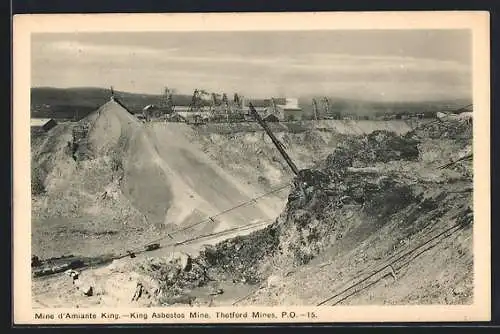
(327,106)
(273,104)
(195,101)
(226,106)
(315,108)
(167,103)
(213,106)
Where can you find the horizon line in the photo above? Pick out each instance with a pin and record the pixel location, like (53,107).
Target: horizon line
(256,97)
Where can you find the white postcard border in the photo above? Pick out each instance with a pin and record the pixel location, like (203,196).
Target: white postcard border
(477,22)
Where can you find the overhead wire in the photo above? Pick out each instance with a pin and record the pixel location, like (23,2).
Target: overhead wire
(139,250)
(386,265)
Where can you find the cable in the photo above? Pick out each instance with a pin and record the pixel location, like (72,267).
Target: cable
(467,157)
(240,228)
(138,250)
(382,269)
(134,251)
(208,220)
(358,283)
(459,225)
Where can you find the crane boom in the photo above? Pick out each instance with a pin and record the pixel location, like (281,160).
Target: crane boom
(275,140)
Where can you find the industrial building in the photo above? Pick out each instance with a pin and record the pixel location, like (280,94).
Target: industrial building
(290,111)
(212,107)
(283,109)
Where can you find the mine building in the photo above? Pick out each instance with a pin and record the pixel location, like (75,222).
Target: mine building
(191,114)
(176,117)
(180,108)
(290,111)
(282,109)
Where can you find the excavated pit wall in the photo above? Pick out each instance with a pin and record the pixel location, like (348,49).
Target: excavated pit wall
(404,201)
(349,127)
(248,143)
(247,152)
(74,195)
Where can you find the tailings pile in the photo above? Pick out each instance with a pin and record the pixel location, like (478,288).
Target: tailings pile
(95,186)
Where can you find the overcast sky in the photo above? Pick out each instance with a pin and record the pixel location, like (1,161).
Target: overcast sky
(374,65)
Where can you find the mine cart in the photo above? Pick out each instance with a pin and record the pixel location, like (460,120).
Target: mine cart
(151,247)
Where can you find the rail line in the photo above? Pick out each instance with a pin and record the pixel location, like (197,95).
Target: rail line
(387,264)
(221,213)
(131,252)
(210,219)
(372,275)
(390,263)
(220,233)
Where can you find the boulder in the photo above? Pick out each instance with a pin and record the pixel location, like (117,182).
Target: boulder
(35,261)
(313,178)
(339,160)
(273,281)
(183,259)
(84,287)
(72,273)
(215,291)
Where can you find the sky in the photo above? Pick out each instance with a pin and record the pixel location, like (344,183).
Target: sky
(380,65)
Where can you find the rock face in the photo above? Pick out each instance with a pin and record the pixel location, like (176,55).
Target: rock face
(313,217)
(183,259)
(366,183)
(175,275)
(368,188)
(378,146)
(451,128)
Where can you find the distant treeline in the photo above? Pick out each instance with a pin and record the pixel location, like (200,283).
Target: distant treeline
(79,102)
(76,103)
(372,110)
